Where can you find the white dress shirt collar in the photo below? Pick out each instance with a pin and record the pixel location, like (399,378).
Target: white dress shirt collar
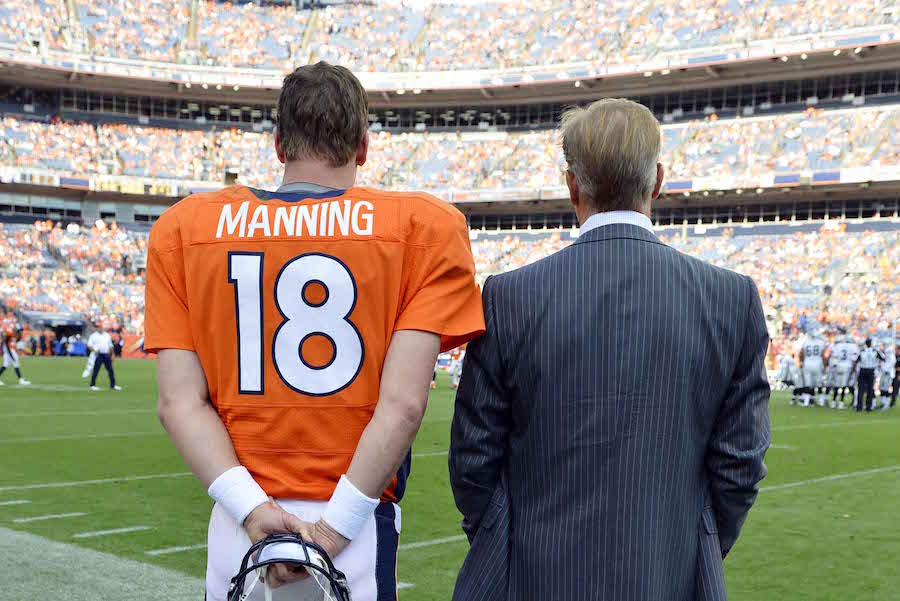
(611,217)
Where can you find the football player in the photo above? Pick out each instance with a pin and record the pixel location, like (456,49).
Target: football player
(456,365)
(896,386)
(8,349)
(886,378)
(297,332)
(842,355)
(812,360)
(783,375)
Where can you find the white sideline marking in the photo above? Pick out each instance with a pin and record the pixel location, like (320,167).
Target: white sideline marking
(47,569)
(79,437)
(76,413)
(879,470)
(97,533)
(782,446)
(99,481)
(169,550)
(401,585)
(17,502)
(430,543)
(52,516)
(830,425)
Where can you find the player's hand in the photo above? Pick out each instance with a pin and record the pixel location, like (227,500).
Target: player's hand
(329,539)
(268,519)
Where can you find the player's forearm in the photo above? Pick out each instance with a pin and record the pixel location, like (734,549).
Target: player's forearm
(200,437)
(384,444)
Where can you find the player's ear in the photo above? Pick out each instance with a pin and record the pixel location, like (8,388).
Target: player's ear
(362,151)
(279,151)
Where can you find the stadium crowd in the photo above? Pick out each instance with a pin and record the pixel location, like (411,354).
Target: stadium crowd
(743,149)
(89,271)
(396,35)
(839,279)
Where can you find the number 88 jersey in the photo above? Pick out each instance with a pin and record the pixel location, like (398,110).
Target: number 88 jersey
(290,301)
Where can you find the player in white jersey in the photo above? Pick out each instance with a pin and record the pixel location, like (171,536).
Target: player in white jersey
(842,356)
(456,366)
(812,360)
(886,378)
(783,375)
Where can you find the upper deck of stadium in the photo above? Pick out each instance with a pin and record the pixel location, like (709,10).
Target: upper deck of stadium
(416,52)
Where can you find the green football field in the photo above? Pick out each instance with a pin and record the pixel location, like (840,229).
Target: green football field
(78,464)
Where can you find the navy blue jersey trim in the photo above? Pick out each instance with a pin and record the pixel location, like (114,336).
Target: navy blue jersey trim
(402,476)
(386,544)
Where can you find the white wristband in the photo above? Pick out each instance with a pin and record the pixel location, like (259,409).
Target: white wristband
(348,509)
(238,493)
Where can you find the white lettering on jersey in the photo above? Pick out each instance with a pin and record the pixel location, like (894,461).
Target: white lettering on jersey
(231,222)
(332,218)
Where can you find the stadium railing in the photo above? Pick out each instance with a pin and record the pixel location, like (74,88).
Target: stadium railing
(446,80)
(179,188)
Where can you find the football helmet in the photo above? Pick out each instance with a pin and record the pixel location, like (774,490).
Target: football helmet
(293,550)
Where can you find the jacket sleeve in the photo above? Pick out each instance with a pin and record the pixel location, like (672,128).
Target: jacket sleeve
(741,435)
(481,423)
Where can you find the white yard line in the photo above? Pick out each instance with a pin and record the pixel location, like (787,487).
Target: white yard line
(16,502)
(431,543)
(402,585)
(879,470)
(56,388)
(47,569)
(97,533)
(783,447)
(98,481)
(79,437)
(170,550)
(431,454)
(52,516)
(76,413)
(831,425)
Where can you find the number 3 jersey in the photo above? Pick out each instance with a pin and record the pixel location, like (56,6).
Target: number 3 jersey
(290,301)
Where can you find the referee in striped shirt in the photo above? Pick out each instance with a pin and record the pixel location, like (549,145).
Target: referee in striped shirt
(868,361)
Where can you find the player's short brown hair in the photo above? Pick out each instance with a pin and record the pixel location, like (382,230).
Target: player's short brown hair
(323,114)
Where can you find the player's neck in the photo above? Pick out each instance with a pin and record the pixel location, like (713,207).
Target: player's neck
(318,172)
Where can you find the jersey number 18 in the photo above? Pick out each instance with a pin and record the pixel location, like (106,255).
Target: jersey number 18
(302,319)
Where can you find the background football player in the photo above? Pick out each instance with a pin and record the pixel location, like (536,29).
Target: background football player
(8,335)
(886,378)
(842,355)
(337,300)
(812,360)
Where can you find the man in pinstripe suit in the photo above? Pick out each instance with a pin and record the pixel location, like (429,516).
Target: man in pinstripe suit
(610,426)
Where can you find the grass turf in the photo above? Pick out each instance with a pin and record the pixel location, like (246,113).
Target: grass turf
(828,540)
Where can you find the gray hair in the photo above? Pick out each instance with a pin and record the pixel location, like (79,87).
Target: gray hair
(612,148)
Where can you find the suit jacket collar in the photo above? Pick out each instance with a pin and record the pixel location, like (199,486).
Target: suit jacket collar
(615,231)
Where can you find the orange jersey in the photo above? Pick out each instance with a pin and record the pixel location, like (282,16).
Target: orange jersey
(290,301)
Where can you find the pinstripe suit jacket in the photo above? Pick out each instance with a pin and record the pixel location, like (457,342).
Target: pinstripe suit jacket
(610,426)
